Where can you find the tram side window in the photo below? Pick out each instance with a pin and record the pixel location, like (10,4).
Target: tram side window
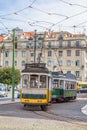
(69,85)
(72,86)
(61,84)
(42,81)
(55,84)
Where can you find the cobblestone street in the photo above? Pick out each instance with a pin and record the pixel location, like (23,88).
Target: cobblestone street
(11,123)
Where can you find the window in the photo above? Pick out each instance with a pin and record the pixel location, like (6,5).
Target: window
(40,44)
(49,63)
(77,43)
(77,52)
(49,53)
(23,54)
(77,73)
(68,62)
(68,71)
(60,53)
(55,83)
(15,63)
(6,53)
(23,45)
(68,52)
(60,62)
(42,81)
(6,63)
(40,54)
(31,54)
(15,53)
(23,63)
(77,62)
(49,44)
(69,44)
(60,37)
(31,43)
(60,43)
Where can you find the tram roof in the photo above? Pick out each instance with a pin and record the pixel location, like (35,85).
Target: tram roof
(61,75)
(36,67)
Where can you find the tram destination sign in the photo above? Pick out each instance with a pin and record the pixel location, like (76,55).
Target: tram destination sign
(35,65)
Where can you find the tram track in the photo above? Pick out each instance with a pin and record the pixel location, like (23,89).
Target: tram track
(53,116)
(58,117)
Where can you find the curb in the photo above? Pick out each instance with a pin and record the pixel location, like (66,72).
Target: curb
(8,102)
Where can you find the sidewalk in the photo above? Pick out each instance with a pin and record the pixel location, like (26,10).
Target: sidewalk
(16,123)
(10,101)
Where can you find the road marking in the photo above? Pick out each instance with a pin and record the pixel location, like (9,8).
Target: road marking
(84,109)
(81,99)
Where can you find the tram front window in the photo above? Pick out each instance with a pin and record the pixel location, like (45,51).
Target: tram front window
(37,81)
(25,81)
(42,81)
(33,81)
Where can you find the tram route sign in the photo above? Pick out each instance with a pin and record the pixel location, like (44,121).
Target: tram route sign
(35,65)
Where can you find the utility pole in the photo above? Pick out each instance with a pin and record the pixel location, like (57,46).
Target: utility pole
(35,47)
(13,67)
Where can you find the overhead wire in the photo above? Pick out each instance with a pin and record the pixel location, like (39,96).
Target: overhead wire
(38,26)
(37,21)
(34,23)
(13,19)
(6,28)
(69,18)
(81,23)
(72,4)
(18,10)
(48,13)
(32,2)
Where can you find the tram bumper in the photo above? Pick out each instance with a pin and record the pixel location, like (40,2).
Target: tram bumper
(35,101)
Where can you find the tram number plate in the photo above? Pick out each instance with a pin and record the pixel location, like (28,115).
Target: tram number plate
(26,100)
(39,100)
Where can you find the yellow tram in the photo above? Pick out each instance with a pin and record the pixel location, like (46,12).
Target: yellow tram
(36,85)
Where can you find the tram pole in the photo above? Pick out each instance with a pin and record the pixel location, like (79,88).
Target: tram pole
(13,67)
(35,47)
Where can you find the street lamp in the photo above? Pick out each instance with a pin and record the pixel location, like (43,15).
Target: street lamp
(13,67)
(31,42)
(37,39)
(35,47)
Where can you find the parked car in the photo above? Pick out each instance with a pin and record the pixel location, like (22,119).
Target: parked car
(18,94)
(3,92)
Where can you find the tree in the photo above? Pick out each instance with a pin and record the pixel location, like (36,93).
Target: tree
(6,76)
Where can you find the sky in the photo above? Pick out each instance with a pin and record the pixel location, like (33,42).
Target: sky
(44,15)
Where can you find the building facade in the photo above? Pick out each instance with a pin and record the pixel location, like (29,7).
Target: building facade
(61,51)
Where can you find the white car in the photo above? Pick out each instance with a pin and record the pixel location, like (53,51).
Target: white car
(3,92)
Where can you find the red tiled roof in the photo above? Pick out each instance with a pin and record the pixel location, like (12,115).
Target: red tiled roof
(29,34)
(77,35)
(1,38)
(49,34)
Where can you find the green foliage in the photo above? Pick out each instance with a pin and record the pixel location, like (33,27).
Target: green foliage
(3,47)
(6,76)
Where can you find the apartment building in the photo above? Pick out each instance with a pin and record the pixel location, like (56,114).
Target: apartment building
(61,51)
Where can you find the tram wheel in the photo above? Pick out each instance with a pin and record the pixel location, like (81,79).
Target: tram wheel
(24,105)
(43,107)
